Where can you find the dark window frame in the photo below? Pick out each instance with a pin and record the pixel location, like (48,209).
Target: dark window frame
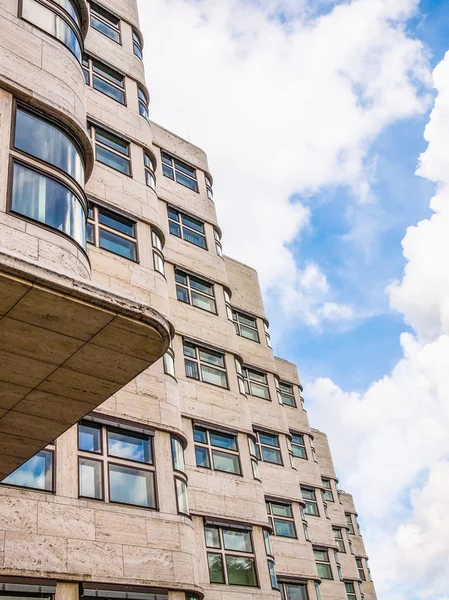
(246,371)
(88,70)
(178,168)
(51,449)
(93,220)
(261,445)
(175,219)
(192,290)
(125,156)
(239,326)
(273,518)
(199,362)
(309,501)
(103,19)
(210,447)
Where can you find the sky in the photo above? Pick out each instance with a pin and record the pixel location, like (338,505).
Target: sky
(333,115)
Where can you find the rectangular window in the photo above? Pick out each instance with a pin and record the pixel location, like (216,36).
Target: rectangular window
(104,79)
(37,473)
(216,450)
(185,227)
(298,446)
(361,570)
(123,468)
(232,559)
(286,393)
(272,572)
(245,326)
(350,590)
(195,291)
(294,591)
(323,565)
(309,497)
(112,150)
(179,171)
(112,232)
(256,383)
(267,335)
(268,448)
(168,361)
(137,45)
(280,517)
(205,365)
(143,103)
(150,169)
(254,454)
(328,496)
(158,255)
(105,22)
(338,535)
(349,523)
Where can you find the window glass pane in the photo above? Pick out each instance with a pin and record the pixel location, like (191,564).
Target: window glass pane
(131,447)
(311,509)
(299,451)
(70,9)
(47,201)
(192,223)
(324,571)
(250,334)
(284,528)
(202,457)
(89,438)
(45,19)
(104,28)
(90,478)
(246,320)
(258,377)
(112,160)
(180,166)
(169,364)
(296,592)
(267,540)
(194,238)
(308,494)
(192,369)
(36,473)
(143,110)
(225,462)
(181,491)
(182,294)
(181,278)
(216,573)
(199,435)
(115,243)
(111,140)
(166,159)
(321,555)
(202,286)
(256,472)
(239,541)
(104,87)
(212,358)
(203,302)
(168,171)
(157,243)
(273,578)
(178,454)
(223,440)
(212,537)
(241,571)
(271,455)
(214,376)
(288,400)
(131,486)
(104,14)
(281,510)
(90,233)
(107,73)
(260,391)
(42,140)
(297,439)
(186,181)
(268,439)
(115,221)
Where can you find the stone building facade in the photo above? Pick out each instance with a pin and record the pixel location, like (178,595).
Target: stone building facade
(152,447)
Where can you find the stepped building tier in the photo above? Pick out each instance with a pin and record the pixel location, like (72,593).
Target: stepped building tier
(152,446)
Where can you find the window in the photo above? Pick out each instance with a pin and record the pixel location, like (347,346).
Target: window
(178,454)
(305,525)
(368,569)
(218,246)
(337,562)
(323,565)
(256,383)
(37,473)
(179,171)
(350,590)
(180,478)
(272,572)
(105,22)
(349,523)
(280,517)
(112,150)
(267,335)
(309,497)
(328,496)
(205,365)
(286,394)
(158,256)
(112,232)
(361,570)
(104,79)
(61,22)
(298,446)
(210,193)
(232,559)
(267,542)
(116,465)
(195,291)
(357,525)
(245,326)
(150,169)
(185,227)
(137,45)
(216,450)
(338,535)
(143,103)
(253,452)
(267,448)
(294,591)
(227,298)
(317,590)
(240,380)
(168,361)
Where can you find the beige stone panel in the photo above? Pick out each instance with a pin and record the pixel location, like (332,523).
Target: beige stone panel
(287,370)
(336,513)
(164,467)
(67,591)
(95,558)
(347,502)
(348,566)
(53,257)
(323,454)
(297,418)
(358,545)
(65,521)
(244,283)
(333,590)
(19,243)
(268,414)
(27,552)
(2,548)
(280,482)
(67,467)
(320,530)
(18,515)
(368,590)
(148,564)
(164,534)
(117,528)
(139,406)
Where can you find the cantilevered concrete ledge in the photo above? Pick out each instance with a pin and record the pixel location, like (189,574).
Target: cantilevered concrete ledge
(65,347)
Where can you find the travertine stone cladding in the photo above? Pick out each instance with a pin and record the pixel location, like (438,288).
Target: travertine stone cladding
(125,9)
(294,556)
(244,282)
(323,454)
(40,69)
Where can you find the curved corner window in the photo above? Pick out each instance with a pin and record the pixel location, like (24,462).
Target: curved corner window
(218,245)
(168,361)
(47,201)
(150,169)
(158,256)
(143,103)
(40,139)
(50,19)
(210,193)
(137,45)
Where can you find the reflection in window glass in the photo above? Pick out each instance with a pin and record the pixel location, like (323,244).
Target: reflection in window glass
(89,438)
(131,486)
(216,573)
(181,494)
(178,454)
(131,447)
(240,541)
(90,478)
(44,200)
(241,571)
(36,473)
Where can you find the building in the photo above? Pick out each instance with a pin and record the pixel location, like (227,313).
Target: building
(152,447)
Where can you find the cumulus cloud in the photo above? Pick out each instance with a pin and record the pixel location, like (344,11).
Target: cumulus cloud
(285,101)
(391,441)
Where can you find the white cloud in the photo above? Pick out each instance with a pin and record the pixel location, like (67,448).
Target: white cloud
(282,109)
(392,441)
